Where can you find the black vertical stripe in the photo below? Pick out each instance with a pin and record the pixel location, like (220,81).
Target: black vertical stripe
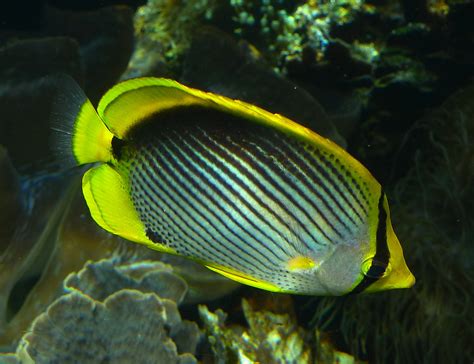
(382,254)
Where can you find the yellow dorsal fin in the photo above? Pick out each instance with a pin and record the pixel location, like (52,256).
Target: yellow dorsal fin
(108,199)
(130,102)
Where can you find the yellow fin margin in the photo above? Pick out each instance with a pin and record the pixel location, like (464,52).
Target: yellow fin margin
(109,203)
(244,278)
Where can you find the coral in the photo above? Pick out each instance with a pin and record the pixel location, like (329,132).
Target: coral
(285,29)
(271,337)
(282,29)
(100,279)
(129,326)
(137,267)
(163,30)
(438,7)
(45,250)
(114,310)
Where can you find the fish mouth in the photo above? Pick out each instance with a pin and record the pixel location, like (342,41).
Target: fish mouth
(400,280)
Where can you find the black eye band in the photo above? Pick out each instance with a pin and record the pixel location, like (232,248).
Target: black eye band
(376,270)
(382,254)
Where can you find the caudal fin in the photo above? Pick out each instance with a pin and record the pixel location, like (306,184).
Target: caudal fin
(78,134)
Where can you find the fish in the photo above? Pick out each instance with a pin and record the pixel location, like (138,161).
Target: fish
(247,193)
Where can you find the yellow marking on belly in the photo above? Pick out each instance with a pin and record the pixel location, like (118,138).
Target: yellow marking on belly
(301,262)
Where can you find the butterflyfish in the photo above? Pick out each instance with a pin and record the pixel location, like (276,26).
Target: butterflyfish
(249,194)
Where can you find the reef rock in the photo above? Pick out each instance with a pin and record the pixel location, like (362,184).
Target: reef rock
(25,130)
(11,206)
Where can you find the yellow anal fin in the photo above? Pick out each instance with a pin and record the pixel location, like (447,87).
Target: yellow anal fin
(244,278)
(109,202)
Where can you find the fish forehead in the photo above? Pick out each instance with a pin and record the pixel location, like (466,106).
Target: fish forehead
(244,196)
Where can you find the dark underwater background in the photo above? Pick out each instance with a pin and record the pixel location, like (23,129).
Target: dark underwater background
(390,81)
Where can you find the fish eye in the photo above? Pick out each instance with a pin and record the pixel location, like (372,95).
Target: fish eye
(376,269)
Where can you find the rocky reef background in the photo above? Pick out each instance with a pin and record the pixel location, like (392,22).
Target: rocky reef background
(392,81)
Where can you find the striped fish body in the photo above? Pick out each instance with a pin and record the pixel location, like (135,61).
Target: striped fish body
(243,196)
(250,200)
